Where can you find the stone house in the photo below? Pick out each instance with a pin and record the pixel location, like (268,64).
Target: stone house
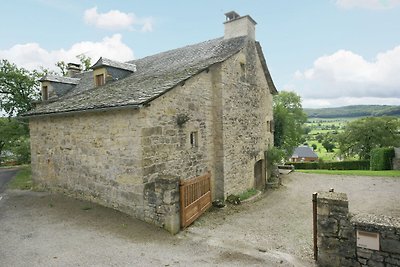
(303,154)
(124,134)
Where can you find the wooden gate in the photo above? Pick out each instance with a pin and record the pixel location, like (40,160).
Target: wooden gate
(195,198)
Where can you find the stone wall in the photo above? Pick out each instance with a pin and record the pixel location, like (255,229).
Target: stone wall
(338,243)
(336,237)
(246,116)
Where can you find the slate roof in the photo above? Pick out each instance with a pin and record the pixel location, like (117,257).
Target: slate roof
(155,75)
(115,64)
(304,152)
(59,79)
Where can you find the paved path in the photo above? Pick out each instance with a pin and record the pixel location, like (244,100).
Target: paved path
(5,176)
(40,229)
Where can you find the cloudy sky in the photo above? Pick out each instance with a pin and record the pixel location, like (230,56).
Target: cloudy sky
(331,52)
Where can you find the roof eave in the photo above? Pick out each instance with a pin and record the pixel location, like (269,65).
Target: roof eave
(267,74)
(79,111)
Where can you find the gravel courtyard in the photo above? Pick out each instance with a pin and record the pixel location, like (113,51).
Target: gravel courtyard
(40,229)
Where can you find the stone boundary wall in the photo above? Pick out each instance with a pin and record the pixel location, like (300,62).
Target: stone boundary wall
(338,242)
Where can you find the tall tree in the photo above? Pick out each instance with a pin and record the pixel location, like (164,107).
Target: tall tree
(18,88)
(361,136)
(289,119)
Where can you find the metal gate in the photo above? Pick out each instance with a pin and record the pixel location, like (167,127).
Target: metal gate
(195,199)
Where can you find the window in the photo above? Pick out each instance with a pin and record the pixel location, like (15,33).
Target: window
(194,139)
(45,93)
(99,79)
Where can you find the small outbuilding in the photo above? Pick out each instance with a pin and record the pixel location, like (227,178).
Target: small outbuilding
(304,154)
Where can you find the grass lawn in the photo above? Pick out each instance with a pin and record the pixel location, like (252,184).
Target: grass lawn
(390,173)
(22,180)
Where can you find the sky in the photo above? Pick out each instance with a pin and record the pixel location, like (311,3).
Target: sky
(330,52)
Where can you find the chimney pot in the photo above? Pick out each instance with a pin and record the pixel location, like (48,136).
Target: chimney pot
(73,69)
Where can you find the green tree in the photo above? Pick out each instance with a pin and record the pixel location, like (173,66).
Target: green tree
(328,145)
(12,134)
(289,119)
(18,88)
(363,135)
(314,146)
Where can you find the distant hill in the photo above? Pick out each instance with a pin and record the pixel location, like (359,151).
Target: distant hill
(353,111)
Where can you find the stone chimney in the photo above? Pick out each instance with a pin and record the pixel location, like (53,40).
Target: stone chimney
(236,25)
(73,69)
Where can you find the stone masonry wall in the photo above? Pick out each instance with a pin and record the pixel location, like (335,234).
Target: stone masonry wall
(336,239)
(246,116)
(132,160)
(337,243)
(95,156)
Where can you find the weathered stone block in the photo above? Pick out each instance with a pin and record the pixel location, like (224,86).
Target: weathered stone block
(391,246)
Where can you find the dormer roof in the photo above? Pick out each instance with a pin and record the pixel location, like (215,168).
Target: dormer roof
(105,62)
(59,79)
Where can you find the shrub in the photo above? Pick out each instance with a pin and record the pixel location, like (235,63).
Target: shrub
(381,158)
(335,165)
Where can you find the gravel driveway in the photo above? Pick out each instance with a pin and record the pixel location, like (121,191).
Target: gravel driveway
(40,229)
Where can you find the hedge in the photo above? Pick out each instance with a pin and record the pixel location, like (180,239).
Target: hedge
(381,158)
(336,165)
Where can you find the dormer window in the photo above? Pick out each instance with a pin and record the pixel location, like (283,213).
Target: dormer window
(106,70)
(45,93)
(100,79)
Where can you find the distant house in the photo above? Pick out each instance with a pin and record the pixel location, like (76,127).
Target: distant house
(304,154)
(128,134)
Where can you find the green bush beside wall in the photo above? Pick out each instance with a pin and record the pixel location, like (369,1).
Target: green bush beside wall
(336,165)
(381,158)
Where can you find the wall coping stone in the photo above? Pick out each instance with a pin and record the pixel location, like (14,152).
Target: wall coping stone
(371,220)
(332,197)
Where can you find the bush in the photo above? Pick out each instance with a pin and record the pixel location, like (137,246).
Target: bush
(22,151)
(336,165)
(381,158)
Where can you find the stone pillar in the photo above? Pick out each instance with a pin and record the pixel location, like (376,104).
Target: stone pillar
(336,237)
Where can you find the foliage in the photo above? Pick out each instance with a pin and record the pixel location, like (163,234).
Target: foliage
(274,156)
(336,165)
(391,173)
(12,134)
(314,146)
(247,194)
(18,88)
(22,150)
(22,180)
(328,145)
(84,60)
(363,135)
(381,158)
(289,119)
(354,111)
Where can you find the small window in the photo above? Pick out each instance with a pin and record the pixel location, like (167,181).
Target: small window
(194,139)
(272,126)
(99,79)
(45,93)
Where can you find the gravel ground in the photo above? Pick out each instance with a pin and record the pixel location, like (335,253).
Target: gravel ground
(40,229)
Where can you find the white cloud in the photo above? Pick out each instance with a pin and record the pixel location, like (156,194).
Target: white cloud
(346,74)
(32,56)
(367,4)
(117,20)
